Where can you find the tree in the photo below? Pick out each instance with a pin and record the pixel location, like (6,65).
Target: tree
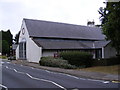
(7,39)
(17,38)
(6,35)
(5,47)
(110,17)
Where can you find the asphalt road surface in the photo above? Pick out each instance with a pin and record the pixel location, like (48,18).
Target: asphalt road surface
(19,76)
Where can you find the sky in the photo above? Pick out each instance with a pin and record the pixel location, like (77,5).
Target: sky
(77,12)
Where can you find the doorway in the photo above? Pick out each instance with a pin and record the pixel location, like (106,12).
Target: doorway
(22,50)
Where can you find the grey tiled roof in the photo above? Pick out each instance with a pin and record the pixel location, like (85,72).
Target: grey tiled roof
(68,44)
(99,44)
(56,44)
(38,28)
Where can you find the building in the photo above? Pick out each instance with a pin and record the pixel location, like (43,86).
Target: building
(14,46)
(44,38)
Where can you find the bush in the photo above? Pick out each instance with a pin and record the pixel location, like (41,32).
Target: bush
(55,62)
(77,58)
(106,62)
(12,58)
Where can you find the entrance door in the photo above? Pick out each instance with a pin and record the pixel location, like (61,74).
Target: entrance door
(98,53)
(22,50)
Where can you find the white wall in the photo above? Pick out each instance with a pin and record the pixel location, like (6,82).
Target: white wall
(33,52)
(48,53)
(17,52)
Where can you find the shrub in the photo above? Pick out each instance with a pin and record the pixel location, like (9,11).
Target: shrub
(55,62)
(12,58)
(106,61)
(77,58)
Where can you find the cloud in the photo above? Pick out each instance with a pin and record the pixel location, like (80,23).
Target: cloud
(68,11)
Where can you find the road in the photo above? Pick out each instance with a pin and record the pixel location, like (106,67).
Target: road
(19,76)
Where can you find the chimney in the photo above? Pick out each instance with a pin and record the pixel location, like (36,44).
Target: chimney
(91,23)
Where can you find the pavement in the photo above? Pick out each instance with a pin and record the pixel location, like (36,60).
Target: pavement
(78,73)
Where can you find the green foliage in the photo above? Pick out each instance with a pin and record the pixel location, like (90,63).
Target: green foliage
(6,35)
(17,38)
(12,58)
(3,57)
(53,62)
(77,58)
(6,38)
(110,17)
(0,46)
(106,62)
(5,47)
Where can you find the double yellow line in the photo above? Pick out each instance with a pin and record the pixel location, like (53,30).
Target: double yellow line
(116,81)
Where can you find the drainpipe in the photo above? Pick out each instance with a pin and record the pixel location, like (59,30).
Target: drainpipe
(94,50)
(103,52)
(23,52)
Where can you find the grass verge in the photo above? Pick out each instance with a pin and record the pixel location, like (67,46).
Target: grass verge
(114,69)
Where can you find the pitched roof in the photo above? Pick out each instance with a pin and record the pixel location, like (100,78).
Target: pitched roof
(38,28)
(56,44)
(69,44)
(99,44)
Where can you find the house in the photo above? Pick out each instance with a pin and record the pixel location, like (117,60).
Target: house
(44,38)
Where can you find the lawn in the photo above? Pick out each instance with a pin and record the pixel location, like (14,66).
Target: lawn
(3,57)
(104,69)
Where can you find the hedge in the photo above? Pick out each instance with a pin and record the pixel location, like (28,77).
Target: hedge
(55,62)
(106,61)
(77,58)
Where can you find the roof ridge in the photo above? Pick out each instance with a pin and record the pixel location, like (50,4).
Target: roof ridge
(58,22)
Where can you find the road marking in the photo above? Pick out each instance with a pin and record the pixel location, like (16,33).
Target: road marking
(72,76)
(82,78)
(29,75)
(21,65)
(62,74)
(6,66)
(2,62)
(4,86)
(18,71)
(75,89)
(106,82)
(95,80)
(99,81)
(46,81)
(47,71)
(32,67)
(15,70)
(38,78)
